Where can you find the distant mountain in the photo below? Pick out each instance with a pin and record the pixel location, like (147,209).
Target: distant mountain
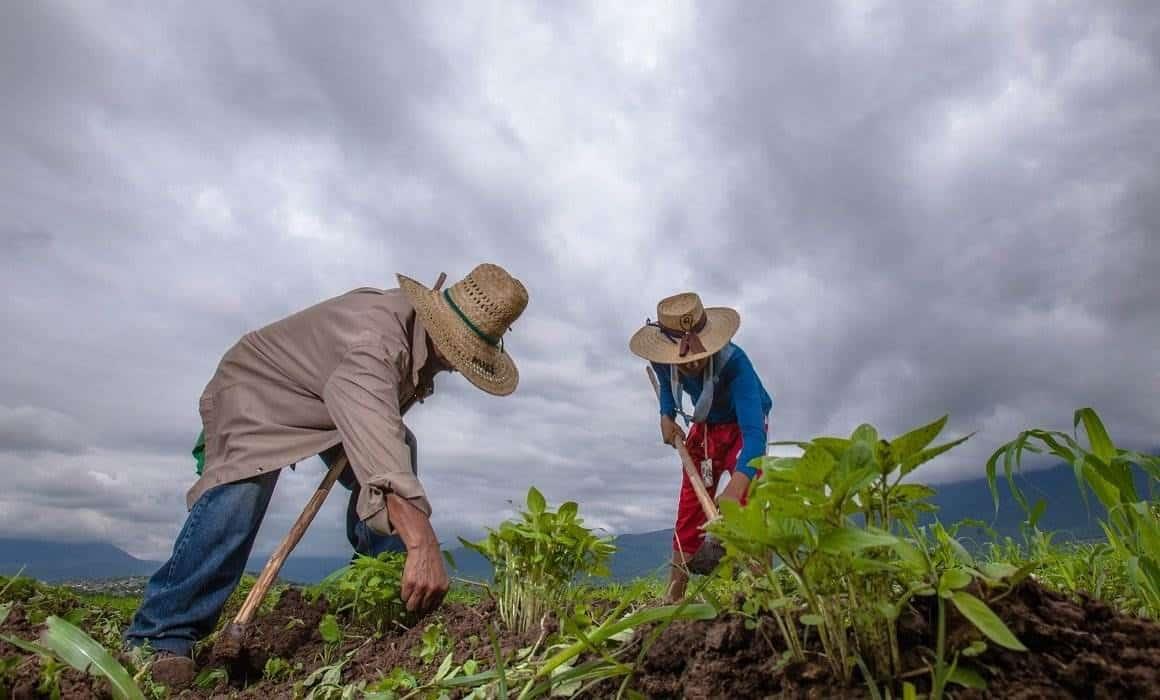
(58,561)
(638,555)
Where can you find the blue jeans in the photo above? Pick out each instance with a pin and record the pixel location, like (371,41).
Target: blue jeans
(184,599)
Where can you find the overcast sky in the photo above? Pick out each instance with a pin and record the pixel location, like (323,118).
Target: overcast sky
(917,207)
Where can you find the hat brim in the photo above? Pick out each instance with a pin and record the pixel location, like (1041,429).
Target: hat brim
(487,367)
(654,346)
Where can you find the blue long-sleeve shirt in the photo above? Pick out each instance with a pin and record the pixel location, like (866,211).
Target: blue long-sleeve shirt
(739,398)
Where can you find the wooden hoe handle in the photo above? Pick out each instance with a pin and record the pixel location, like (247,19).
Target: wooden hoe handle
(691,471)
(278,558)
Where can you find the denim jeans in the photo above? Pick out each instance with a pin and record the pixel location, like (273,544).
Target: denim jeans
(184,599)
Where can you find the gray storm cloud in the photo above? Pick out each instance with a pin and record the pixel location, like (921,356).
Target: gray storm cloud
(918,208)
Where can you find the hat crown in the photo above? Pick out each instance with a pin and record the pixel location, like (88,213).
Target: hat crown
(680,312)
(490,298)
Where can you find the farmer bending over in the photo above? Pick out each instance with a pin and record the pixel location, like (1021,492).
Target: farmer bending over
(336,376)
(690,350)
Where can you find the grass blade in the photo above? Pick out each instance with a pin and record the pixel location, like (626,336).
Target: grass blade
(80,651)
(698,611)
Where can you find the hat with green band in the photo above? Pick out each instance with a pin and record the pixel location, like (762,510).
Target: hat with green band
(467,321)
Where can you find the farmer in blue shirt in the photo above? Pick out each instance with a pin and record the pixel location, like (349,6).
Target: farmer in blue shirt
(690,350)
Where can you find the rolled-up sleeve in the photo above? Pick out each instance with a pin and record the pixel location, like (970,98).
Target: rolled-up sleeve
(362,396)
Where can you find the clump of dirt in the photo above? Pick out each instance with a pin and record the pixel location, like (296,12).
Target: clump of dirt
(1083,648)
(1075,649)
(24,681)
(288,629)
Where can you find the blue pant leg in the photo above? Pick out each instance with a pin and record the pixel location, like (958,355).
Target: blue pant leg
(184,599)
(362,538)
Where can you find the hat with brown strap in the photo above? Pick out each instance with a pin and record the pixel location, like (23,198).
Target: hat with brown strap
(467,321)
(685,331)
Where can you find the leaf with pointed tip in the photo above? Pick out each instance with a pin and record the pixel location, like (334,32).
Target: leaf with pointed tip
(968,678)
(985,619)
(910,443)
(914,461)
(80,651)
(846,539)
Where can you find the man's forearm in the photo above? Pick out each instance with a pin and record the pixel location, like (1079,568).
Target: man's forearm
(411,523)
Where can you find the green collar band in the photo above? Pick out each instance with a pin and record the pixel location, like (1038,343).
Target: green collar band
(494,342)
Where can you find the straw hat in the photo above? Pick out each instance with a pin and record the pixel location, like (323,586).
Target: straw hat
(467,322)
(685,331)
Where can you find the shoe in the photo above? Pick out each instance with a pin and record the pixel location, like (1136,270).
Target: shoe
(174,671)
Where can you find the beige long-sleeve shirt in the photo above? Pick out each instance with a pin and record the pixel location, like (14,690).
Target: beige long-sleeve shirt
(339,371)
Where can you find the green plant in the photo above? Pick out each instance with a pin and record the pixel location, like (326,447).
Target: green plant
(64,643)
(432,643)
(1131,523)
(829,516)
(368,589)
(209,678)
(278,669)
(939,566)
(537,558)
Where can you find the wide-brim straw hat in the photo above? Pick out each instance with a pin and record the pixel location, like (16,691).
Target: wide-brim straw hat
(684,324)
(467,320)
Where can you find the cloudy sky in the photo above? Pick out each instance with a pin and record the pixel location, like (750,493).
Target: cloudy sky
(918,208)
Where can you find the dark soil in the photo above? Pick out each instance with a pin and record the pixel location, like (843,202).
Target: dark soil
(24,680)
(1077,649)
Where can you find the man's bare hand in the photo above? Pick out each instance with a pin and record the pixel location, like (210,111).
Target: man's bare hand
(671,432)
(425,579)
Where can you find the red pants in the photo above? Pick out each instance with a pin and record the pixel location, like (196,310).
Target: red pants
(724,444)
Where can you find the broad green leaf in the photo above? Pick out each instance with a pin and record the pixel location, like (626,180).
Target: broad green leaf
(847,539)
(986,620)
(811,619)
(913,492)
(536,502)
(997,570)
(568,509)
(968,678)
(909,444)
(836,446)
(80,651)
(975,648)
(865,433)
(1101,444)
(816,465)
(953,580)
(328,628)
(914,461)
(911,556)
(909,692)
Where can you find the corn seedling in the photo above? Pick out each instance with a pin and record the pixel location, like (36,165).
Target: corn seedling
(537,558)
(1131,523)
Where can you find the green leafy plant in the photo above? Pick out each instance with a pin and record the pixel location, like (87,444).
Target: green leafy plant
(939,566)
(64,643)
(830,516)
(278,670)
(1131,522)
(537,558)
(209,678)
(368,589)
(432,643)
